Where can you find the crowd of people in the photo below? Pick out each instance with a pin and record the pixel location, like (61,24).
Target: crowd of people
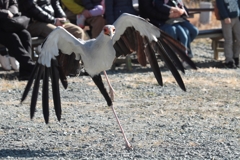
(170,16)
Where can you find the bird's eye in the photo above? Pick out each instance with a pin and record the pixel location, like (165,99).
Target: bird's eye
(105,29)
(113,29)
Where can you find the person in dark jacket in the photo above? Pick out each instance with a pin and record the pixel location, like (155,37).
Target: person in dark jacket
(148,11)
(229,15)
(19,44)
(86,11)
(114,8)
(186,32)
(45,16)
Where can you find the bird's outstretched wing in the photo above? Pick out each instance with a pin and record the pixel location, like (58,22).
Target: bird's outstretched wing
(52,65)
(135,34)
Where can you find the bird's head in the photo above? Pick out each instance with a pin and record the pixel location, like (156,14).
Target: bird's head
(109,30)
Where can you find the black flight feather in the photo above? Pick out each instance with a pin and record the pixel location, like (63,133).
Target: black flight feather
(30,81)
(45,95)
(170,65)
(178,49)
(172,55)
(55,89)
(35,91)
(153,62)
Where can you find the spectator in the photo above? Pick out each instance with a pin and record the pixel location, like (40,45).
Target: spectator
(18,44)
(89,11)
(186,32)
(148,11)
(45,16)
(169,16)
(229,16)
(114,8)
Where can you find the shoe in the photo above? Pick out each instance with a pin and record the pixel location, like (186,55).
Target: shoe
(230,65)
(236,60)
(80,20)
(14,63)
(5,62)
(190,55)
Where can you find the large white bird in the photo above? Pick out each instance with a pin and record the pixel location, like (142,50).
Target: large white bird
(128,34)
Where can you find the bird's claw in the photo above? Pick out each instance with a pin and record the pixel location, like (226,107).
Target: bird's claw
(129,146)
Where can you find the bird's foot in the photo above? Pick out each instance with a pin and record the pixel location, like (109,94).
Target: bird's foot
(129,146)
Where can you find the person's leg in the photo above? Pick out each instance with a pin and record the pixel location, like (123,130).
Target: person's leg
(228,41)
(76,31)
(188,42)
(40,29)
(169,29)
(14,45)
(181,34)
(26,40)
(236,43)
(193,31)
(15,49)
(96,23)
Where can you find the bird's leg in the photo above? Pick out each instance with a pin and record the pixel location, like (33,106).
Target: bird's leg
(111,90)
(98,81)
(129,146)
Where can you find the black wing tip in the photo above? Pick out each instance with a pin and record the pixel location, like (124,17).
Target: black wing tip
(46,121)
(59,118)
(184,89)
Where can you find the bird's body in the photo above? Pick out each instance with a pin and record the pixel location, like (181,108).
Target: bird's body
(96,54)
(127,35)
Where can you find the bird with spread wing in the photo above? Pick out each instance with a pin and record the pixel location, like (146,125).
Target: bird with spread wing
(129,34)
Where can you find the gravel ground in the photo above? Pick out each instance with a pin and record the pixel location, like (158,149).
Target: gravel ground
(160,122)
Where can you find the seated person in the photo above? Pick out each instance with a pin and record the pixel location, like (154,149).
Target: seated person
(186,32)
(45,17)
(148,11)
(114,8)
(86,11)
(19,44)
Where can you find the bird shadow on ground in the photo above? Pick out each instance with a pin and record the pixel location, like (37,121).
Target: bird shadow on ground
(137,68)
(8,75)
(26,153)
(12,75)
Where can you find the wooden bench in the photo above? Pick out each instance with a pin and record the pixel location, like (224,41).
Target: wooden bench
(215,35)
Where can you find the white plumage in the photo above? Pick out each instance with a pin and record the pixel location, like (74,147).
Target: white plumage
(97,54)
